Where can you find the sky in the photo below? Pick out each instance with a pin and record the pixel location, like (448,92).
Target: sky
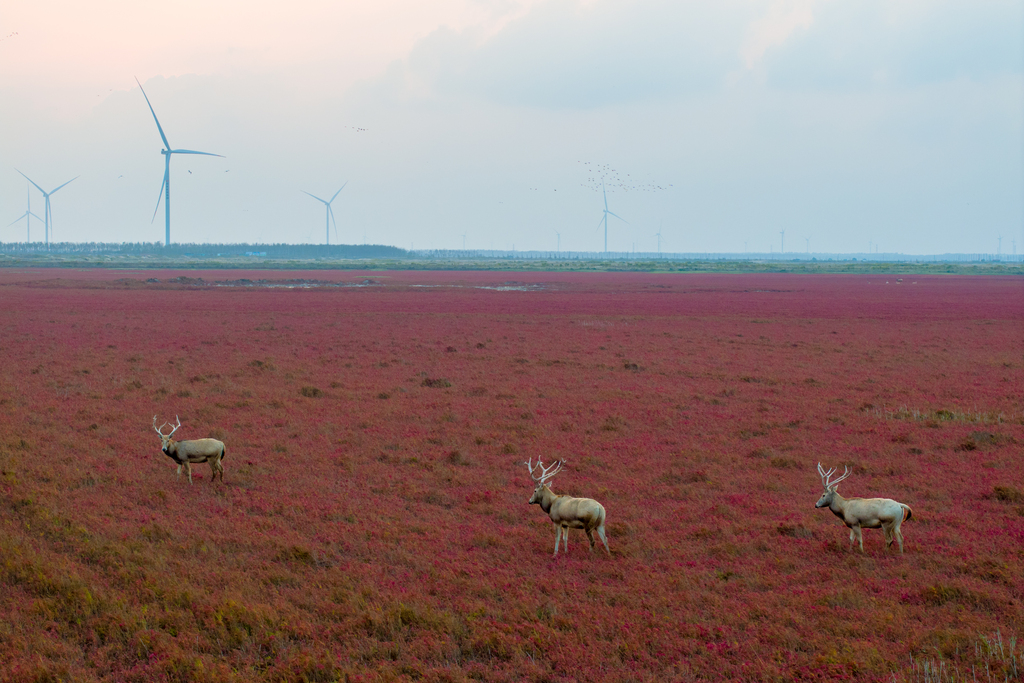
(828,126)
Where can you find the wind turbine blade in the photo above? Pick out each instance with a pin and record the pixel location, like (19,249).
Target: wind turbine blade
(161,196)
(32,214)
(60,186)
(331,212)
(317,198)
(18,219)
(339,191)
(190,151)
(618,216)
(163,137)
(33,182)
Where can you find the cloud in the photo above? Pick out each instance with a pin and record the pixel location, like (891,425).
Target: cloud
(874,43)
(564,54)
(782,20)
(573,55)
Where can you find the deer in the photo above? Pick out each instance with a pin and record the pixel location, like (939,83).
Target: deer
(187,452)
(566,512)
(863,513)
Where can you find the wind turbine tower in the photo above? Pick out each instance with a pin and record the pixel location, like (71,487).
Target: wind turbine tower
(27,215)
(329,212)
(165,186)
(604,218)
(48,215)
(782,249)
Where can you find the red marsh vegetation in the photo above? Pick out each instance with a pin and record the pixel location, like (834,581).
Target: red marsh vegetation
(373,522)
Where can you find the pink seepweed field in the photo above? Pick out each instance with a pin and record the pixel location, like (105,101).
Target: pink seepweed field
(373,524)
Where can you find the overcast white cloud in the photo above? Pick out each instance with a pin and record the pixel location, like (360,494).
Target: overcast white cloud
(842,123)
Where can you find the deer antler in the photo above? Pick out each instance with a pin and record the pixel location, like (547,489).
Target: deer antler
(546,473)
(826,477)
(164,425)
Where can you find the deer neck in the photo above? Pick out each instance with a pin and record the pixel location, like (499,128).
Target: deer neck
(547,499)
(837,505)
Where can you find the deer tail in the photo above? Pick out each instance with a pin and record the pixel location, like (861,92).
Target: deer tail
(907,512)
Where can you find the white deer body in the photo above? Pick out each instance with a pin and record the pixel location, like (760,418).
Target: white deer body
(863,513)
(567,512)
(184,453)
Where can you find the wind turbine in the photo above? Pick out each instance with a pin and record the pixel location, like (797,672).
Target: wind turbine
(604,218)
(165,186)
(27,215)
(558,241)
(330,212)
(47,213)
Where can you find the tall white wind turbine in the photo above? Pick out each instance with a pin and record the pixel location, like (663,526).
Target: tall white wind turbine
(604,218)
(165,186)
(27,215)
(48,214)
(330,212)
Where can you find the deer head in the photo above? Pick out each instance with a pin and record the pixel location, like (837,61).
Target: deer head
(546,474)
(829,485)
(165,439)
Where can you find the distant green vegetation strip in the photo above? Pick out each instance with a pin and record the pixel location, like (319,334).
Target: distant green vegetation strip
(510,265)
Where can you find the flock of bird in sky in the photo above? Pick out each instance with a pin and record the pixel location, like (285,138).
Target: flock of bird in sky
(604,177)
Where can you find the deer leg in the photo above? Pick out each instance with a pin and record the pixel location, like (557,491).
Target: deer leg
(590,537)
(215,468)
(899,537)
(179,471)
(853,538)
(565,539)
(860,537)
(188,468)
(558,537)
(600,532)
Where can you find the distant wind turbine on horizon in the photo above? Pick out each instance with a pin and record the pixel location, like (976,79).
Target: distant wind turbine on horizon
(27,215)
(165,186)
(330,212)
(604,218)
(47,213)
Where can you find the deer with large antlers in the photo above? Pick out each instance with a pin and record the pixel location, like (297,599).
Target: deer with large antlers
(863,513)
(566,512)
(187,452)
